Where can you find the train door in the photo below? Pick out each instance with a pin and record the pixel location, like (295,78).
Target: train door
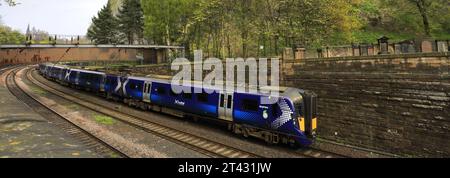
(102,83)
(77,78)
(226,106)
(147,91)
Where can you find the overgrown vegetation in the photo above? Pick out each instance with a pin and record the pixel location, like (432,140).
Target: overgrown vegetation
(263,27)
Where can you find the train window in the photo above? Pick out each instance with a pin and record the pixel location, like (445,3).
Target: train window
(149,86)
(161,90)
(230,101)
(202,97)
(275,110)
(222,100)
(250,105)
(187,95)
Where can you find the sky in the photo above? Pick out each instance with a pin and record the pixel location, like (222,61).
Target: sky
(62,17)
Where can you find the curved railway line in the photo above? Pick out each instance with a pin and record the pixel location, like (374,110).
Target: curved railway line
(91,141)
(201,144)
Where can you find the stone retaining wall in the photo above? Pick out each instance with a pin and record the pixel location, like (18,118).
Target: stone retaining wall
(393,103)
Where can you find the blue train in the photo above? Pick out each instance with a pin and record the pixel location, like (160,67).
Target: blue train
(292,120)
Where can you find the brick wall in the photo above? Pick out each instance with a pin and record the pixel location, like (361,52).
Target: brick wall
(37,55)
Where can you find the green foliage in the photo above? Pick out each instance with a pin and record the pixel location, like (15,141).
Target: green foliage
(165,20)
(9,36)
(235,28)
(411,17)
(131,20)
(105,27)
(119,22)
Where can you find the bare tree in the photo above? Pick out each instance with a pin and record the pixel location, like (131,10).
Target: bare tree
(422,6)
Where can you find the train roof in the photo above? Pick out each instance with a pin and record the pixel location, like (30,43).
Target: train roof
(88,71)
(58,66)
(148,79)
(197,84)
(261,90)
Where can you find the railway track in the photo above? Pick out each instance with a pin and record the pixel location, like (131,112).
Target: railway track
(317,153)
(202,145)
(92,142)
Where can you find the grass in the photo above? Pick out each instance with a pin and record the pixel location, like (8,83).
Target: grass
(38,91)
(441,36)
(114,155)
(105,120)
(372,36)
(73,107)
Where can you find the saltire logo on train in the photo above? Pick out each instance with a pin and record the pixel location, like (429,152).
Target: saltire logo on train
(286,115)
(119,84)
(124,89)
(67,75)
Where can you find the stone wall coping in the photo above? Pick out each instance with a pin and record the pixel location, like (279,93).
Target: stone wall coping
(362,58)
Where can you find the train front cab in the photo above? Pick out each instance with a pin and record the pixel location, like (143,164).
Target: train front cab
(305,106)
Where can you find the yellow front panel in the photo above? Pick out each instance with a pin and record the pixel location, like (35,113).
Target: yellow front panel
(314,124)
(301,122)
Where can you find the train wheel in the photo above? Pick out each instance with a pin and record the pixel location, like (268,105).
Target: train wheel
(230,127)
(292,143)
(143,106)
(268,138)
(237,129)
(245,132)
